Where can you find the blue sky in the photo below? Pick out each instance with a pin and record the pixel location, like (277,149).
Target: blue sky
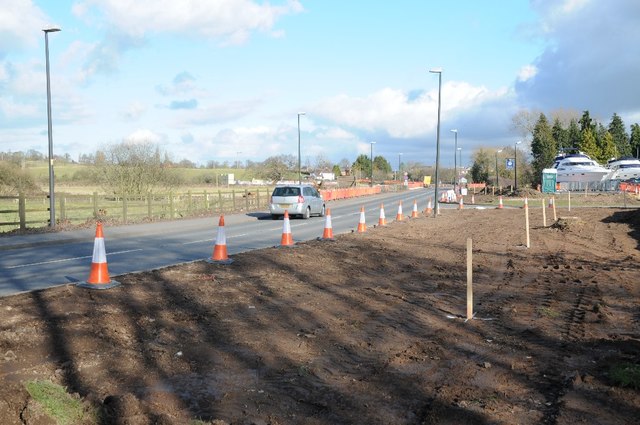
(224,80)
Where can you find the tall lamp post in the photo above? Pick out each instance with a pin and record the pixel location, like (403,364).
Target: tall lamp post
(455,164)
(238,160)
(497,176)
(438,71)
(372,143)
(299,169)
(52,199)
(515,166)
(399,165)
(460,158)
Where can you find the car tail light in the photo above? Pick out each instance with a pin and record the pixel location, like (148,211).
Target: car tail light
(301,199)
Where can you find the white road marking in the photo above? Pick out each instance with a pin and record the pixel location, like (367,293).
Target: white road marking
(19,266)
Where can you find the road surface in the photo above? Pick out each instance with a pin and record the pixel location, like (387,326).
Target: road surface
(29,262)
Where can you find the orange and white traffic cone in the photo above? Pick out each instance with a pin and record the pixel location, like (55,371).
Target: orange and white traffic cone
(461,203)
(414,212)
(327,234)
(382,221)
(399,215)
(99,275)
(362,225)
(219,255)
(500,206)
(443,197)
(287,238)
(429,209)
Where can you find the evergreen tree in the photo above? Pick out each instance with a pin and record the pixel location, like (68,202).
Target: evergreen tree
(608,149)
(363,165)
(573,134)
(620,135)
(543,146)
(586,122)
(482,164)
(634,141)
(588,143)
(560,135)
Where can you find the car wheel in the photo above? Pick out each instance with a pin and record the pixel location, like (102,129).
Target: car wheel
(307,213)
(323,211)
(274,217)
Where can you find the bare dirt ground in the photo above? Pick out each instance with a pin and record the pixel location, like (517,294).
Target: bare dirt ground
(368,329)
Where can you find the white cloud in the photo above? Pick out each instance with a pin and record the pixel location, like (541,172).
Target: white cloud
(527,72)
(400,114)
(21,23)
(231,21)
(144,136)
(134,111)
(589,62)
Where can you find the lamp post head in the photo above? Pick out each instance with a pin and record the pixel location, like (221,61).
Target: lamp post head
(517,143)
(454,131)
(302,113)
(499,150)
(436,70)
(51,29)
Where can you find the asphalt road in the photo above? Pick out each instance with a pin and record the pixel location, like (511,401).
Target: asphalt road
(29,262)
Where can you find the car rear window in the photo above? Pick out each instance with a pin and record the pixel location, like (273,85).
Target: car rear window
(286,191)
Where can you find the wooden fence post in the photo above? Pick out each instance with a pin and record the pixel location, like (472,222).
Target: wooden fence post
(22,211)
(206,200)
(94,201)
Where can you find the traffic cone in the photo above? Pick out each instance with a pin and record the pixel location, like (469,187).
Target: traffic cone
(429,209)
(550,202)
(362,225)
(526,203)
(327,234)
(500,206)
(220,249)
(383,220)
(443,197)
(99,275)
(461,203)
(287,239)
(399,216)
(414,212)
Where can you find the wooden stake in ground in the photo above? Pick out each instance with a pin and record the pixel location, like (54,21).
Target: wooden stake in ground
(544,214)
(555,217)
(526,220)
(469,279)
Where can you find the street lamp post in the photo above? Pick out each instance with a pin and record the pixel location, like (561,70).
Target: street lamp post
(515,166)
(497,176)
(460,158)
(238,160)
(438,71)
(399,165)
(372,143)
(299,169)
(52,199)
(455,165)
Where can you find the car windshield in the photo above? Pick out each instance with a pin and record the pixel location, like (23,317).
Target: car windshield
(286,191)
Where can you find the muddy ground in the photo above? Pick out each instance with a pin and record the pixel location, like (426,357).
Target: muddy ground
(369,329)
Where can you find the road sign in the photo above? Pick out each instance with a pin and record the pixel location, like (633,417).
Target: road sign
(510,163)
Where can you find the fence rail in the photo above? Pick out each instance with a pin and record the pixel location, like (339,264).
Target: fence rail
(17,212)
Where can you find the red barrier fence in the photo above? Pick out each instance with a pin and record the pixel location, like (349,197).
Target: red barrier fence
(352,192)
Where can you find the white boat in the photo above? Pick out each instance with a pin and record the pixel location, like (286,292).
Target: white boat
(578,167)
(624,168)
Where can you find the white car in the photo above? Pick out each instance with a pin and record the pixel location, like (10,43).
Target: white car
(299,199)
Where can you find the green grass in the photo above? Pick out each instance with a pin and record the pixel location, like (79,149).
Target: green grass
(58,404)
(626,374)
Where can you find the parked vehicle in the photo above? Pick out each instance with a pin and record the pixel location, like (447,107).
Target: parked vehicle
(299,199)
